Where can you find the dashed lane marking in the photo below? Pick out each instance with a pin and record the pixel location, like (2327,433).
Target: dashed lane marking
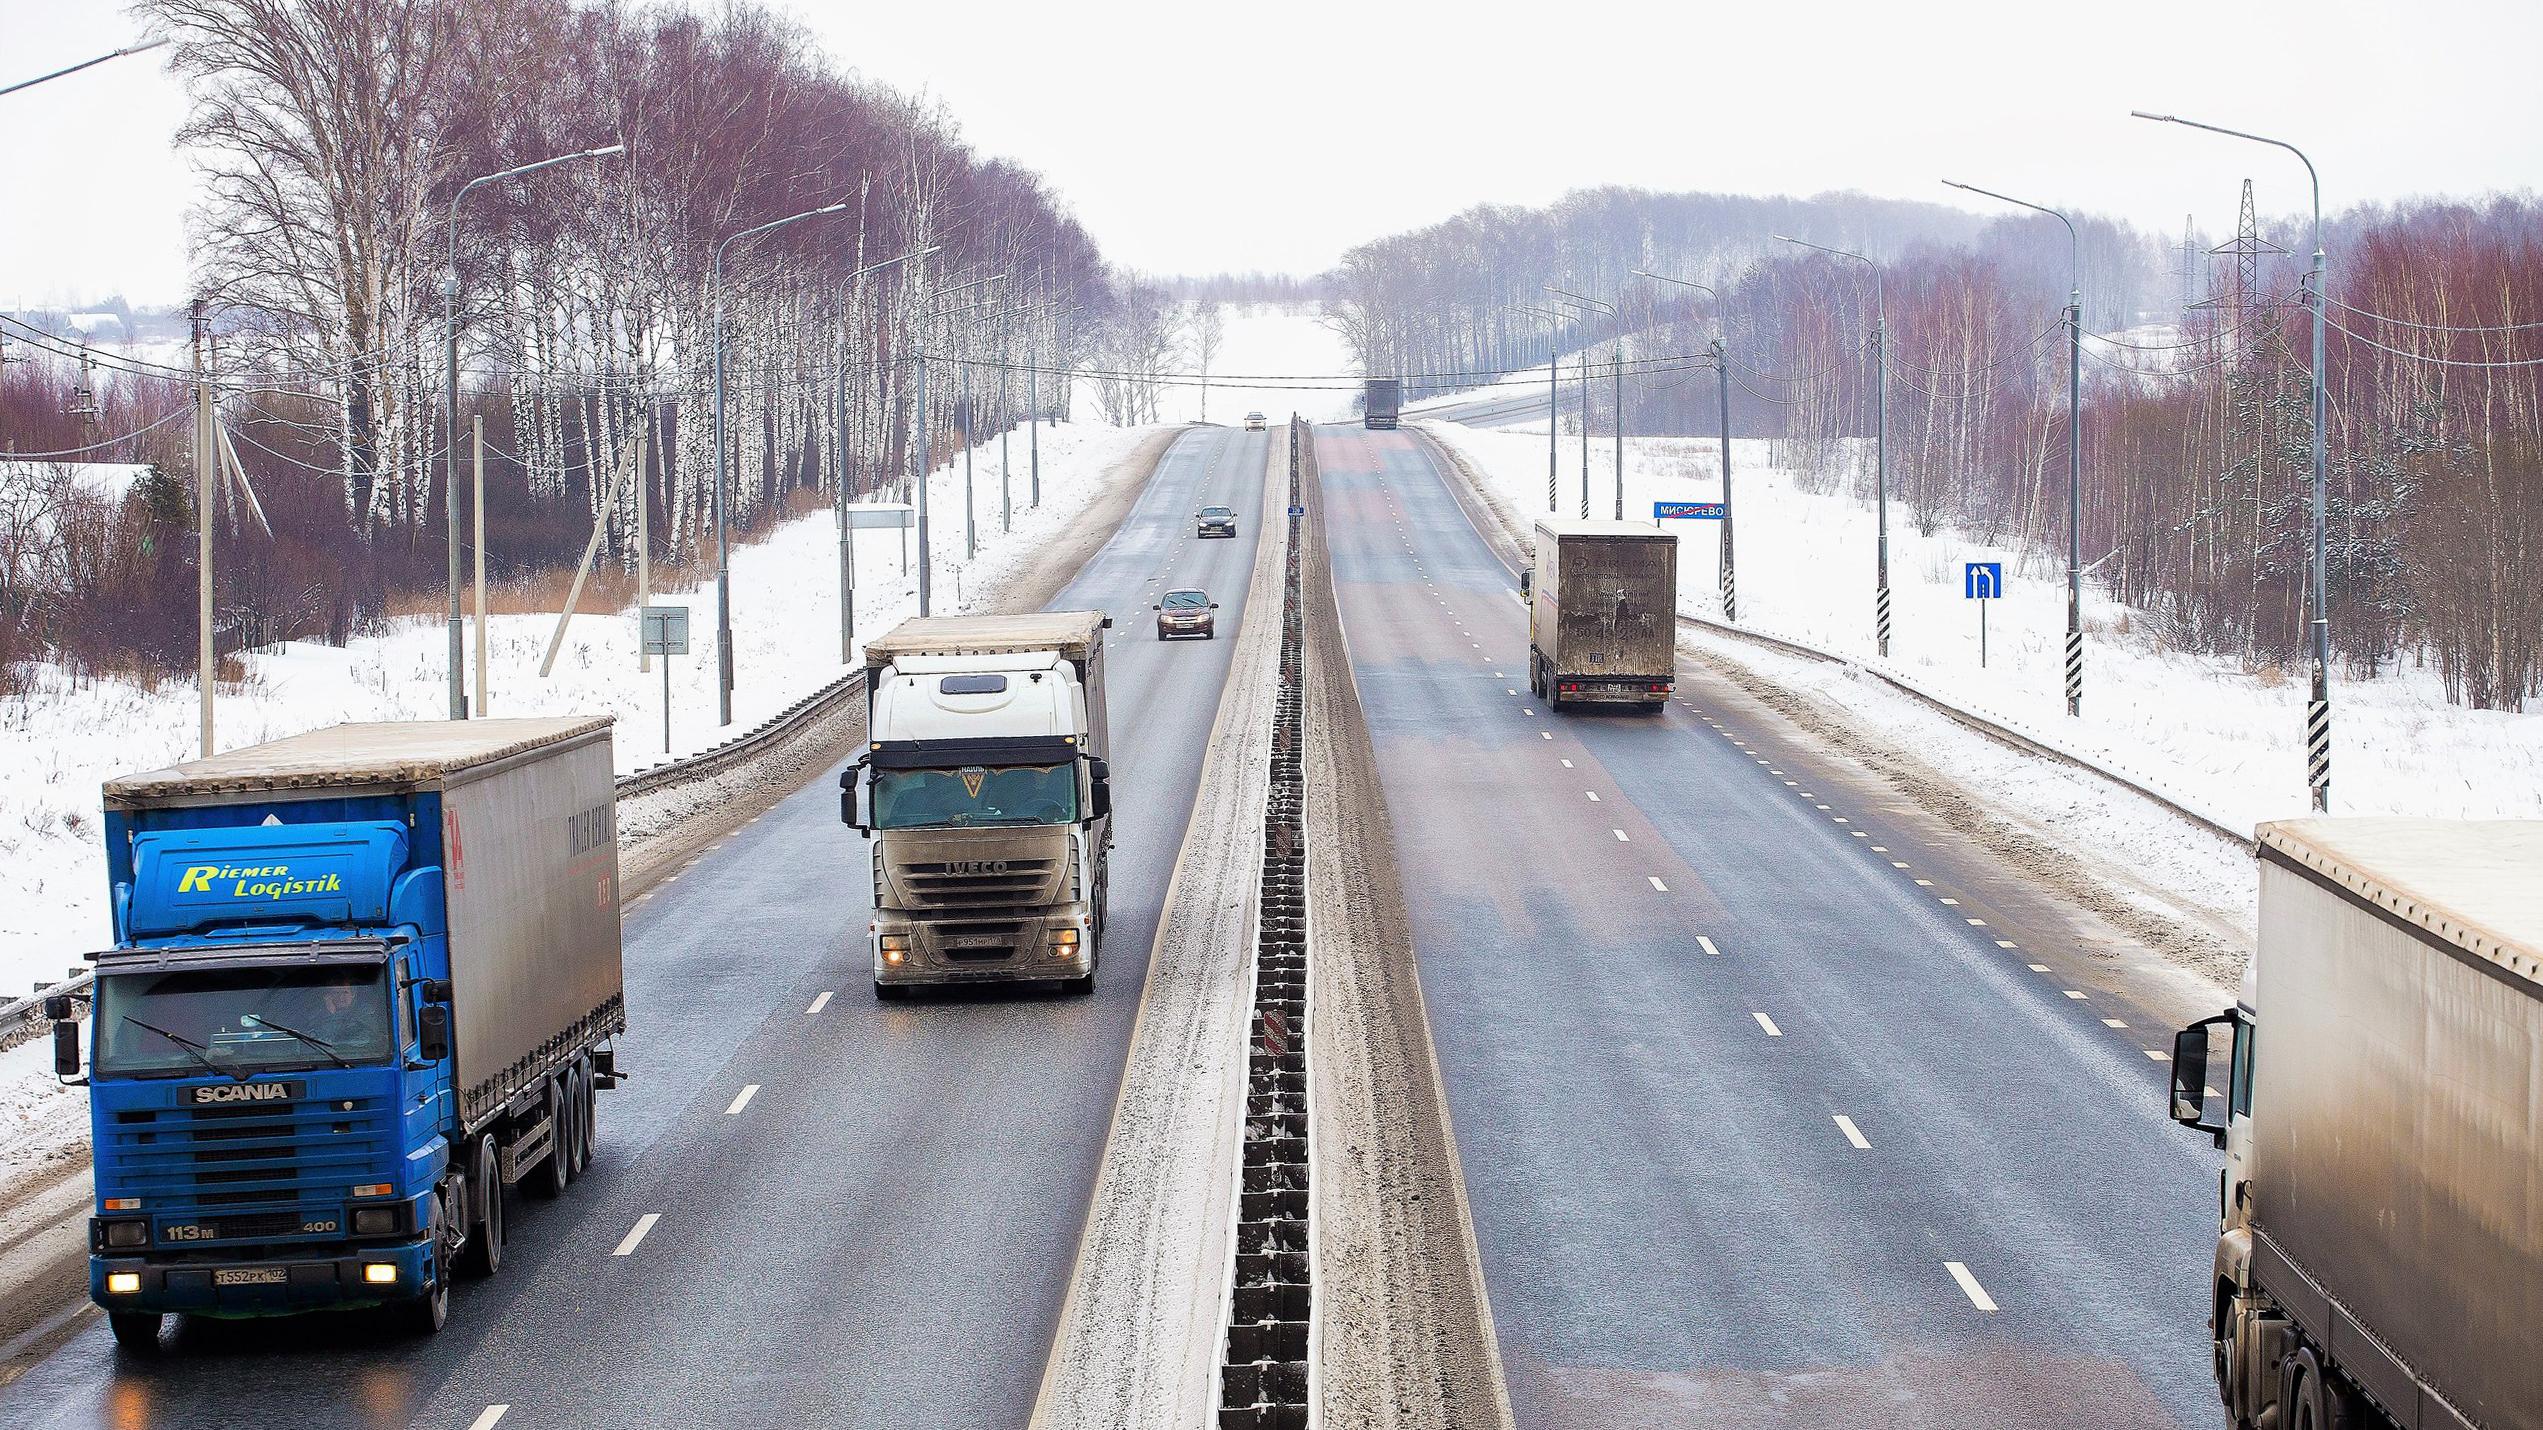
(818,1004)
(636,1234)
(1768,1024)
(2038,967)
(2160,1057)
(1593,795)
(1978,1296)
(2006,943)
(1567,764)
(1621,836)
(743,1098)
(2077,994)
(1845,1125)
(489,1417)
(1707,945)
(1656,884)
(2113,1023)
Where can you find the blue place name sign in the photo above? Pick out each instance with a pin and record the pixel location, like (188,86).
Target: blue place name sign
(1687,511)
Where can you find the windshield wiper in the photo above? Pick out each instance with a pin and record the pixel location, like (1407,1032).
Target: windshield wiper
(199,1052)
(321,1044)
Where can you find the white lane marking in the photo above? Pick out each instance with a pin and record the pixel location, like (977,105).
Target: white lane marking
(1977,1294)
(1525,710)
(1845,1125)
(1839,818)
(1707,945)
(1567,764)
(1859,834)
(1976,923)
(1593,795)
(2072,993)
(818,1004)
(743,1098)
(636,1234)
(2158,1057)
(2006,943)
(1877,849)
(2039,967)
(1768,1024)
(1507,691)
(1898,863)
(1547,734)
(1924,883)
(487,1417)
(1951,901)
(1656,884)
(1621,836)
(2113,1023)
(1773,771)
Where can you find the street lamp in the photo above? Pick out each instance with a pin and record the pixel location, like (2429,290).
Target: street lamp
(2318,711)
(1553,400)
(723,545)
(1722,385)
(84,64)
(926,456)
(1618,320)
(2074,444)
(450,398)
(847,590)
(1880,437)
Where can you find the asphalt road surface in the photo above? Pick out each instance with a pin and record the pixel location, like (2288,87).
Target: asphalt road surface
(808,1207)
(1759,1126)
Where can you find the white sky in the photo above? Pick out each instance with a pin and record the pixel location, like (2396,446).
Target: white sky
(1197,137)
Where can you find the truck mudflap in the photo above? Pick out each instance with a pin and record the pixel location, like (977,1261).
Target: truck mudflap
(282,1286)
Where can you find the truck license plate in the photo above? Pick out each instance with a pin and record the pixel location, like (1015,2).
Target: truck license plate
(248,1276)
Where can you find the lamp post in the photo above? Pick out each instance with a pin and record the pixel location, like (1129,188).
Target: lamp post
(723,545)
(1880,437)
(1722,388)
(450,400)
(1618,319)
(84,64)
(1553,399)
(2318,710)
(847,556)
(925,453)
(2074,443)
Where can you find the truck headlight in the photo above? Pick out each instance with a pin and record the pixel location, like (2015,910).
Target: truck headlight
(380,1273)
(895,947)
(128,1233)
(1063,942)
(375,1221)
(122,1283)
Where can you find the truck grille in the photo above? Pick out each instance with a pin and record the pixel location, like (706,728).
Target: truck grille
(237,1162)
(989,886)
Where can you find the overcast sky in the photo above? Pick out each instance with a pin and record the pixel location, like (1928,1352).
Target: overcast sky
(1195,137)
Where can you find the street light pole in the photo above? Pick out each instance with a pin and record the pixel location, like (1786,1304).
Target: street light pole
(723,543)
(2318,710)
(450,403)
(1880,437)
(925,452)
(1618,318)
(847,534)
(1553,400)
(84,64)
(2074,444)
(1722,388)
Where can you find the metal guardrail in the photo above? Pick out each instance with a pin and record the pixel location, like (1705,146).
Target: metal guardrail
(22,1018)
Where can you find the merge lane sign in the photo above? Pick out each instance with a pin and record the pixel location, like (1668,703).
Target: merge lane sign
(1982,581)
(1687,511)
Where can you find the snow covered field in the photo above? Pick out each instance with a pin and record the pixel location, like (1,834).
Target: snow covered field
(2225,739)
(67,737)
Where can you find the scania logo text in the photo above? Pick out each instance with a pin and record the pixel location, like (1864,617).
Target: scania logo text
(242,1092)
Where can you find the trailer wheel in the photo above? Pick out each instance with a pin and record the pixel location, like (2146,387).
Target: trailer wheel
(548,1182)
(483,1256)
(136,1331)
(2309,1399)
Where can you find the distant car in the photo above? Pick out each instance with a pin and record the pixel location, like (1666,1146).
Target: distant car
(1186,613)
(1254,422)
(1215,521)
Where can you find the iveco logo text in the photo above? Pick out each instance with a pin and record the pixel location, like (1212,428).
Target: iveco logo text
(244,1092)
(977,866)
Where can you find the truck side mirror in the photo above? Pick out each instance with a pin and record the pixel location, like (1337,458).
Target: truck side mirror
(2189,1076)
(1100,775)
(1527,580)
(435,990)
(66,1050)
(432,1032)
(847,803)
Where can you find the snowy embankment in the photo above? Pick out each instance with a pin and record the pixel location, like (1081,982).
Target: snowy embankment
(66,737)
(2221,738)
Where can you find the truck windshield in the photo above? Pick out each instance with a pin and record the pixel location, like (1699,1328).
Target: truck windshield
(237,1020)
(974,795)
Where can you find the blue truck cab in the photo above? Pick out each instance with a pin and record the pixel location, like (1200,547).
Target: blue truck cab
(326,1038)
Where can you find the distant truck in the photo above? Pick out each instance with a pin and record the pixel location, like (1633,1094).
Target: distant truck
(2380,1261)
(363,980)
(1602,604)
(986,788)
(1383,403)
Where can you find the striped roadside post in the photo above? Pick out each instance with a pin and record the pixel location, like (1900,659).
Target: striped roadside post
(2074,672)
(1881,613)
(2318,746)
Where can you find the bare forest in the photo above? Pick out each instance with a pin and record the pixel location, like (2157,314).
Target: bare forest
(2196,423)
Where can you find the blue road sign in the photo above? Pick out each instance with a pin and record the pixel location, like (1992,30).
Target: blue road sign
(1297,511)
(1982,581)
(1686,511)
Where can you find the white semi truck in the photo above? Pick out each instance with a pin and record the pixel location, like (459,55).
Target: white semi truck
(986,789)
(2380,1259)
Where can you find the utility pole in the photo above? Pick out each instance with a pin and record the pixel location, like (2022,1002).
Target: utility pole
(477,515)
(1006,482)
(1553,401)
(1617,319)
(970,534)
(1880,435)
(205,460)
(926,464)
(1722,390)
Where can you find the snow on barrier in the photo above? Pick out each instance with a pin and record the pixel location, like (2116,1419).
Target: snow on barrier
(1263,1378)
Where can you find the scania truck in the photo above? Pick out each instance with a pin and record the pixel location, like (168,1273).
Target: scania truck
(1602,612)
(2380,1102)
(362,981)
(986,790)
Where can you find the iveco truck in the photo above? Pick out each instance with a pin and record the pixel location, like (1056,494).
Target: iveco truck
(363,980)
(2380,1256)
(985,789)
(1602,613)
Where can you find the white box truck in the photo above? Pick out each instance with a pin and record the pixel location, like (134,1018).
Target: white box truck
(1602,612)
(2380,1261)
(986,790)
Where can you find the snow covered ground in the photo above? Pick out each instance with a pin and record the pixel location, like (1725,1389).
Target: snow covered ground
(66,737)
(2225,739)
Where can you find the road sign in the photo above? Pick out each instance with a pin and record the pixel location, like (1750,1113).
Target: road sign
(880,515)
(666,630)
(1982,580)
(1688,511)
(1297,511)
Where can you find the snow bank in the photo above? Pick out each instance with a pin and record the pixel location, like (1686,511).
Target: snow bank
(67,737)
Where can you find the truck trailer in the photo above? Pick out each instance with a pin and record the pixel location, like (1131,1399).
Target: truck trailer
(1382,401)
(1602,612)
(363,980)
(986,789)
(2380,1254)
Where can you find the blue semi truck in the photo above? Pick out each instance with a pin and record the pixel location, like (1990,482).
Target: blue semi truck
(363,980)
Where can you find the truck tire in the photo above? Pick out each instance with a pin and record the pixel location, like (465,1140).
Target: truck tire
(136,1331)
(591,1117)
(2309,1399)
(483,1255)
(578,1100)
(547,1183)
(426,1314)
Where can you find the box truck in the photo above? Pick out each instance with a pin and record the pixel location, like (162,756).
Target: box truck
(1381,402)
(2380,1103)
(363,980)
(1602,604)
(986,790)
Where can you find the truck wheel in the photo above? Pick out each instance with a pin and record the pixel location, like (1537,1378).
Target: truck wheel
(483,1256)
(548,1182)
(2308,1399)
(585,1106)
(428,1313)
(136,1330)
(1079,987)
